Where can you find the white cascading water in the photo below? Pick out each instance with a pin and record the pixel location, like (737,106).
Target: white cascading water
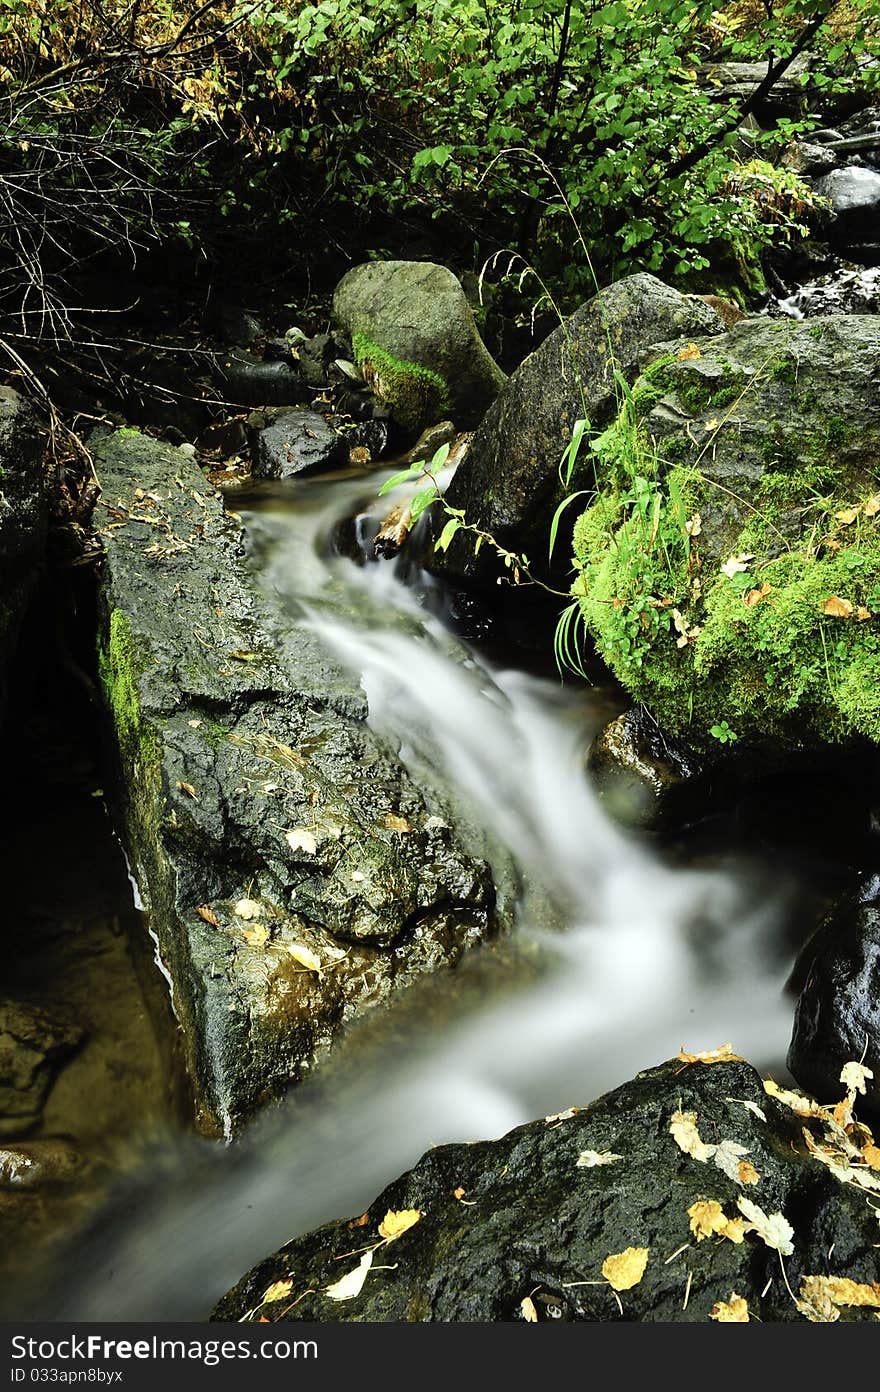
(654,956)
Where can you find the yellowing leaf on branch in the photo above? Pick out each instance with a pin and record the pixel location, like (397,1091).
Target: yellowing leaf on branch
(723,1054)
(732,1311)
(347,1287)
(589,1158)
(773,1228)
(394,1224)
(279,1290)
(623,1270)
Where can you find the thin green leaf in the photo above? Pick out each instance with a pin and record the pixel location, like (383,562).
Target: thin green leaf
(554,525)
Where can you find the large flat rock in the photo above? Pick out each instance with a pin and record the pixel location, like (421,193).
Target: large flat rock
(295,876)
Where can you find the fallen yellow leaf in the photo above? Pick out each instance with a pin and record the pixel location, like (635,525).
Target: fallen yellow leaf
(837,608)
(733,1311)
(872,506)
(772,1228)
(394,1224)
(691,351)
(871,1153)
(846,516)
(299,839)
(398,824)
(707,1218)
(723,1054)
(683,1129)
(623,1270)
(753,597)
(246,908)
(279,1290)
(590,1158)
(189,789)
(527,1308)
(257,936)
(208,915)
(747,1172)
(347,1287)
(304,955)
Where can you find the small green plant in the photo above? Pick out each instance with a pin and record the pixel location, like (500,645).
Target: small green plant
(723,733)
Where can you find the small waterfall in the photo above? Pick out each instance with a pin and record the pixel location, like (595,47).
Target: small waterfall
(651,957)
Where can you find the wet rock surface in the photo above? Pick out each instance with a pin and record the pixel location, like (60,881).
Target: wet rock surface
(644,778)
(295,875)
(33,1045)
(298,442)
(838,1011)
(520,1228)
(22,518)
(509,483)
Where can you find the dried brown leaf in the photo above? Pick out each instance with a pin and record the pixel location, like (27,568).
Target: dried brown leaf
(723,1054)
(837,608)
(208,914)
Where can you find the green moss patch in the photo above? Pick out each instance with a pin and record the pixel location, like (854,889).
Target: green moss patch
(118,670)
(417,396)
(779,635)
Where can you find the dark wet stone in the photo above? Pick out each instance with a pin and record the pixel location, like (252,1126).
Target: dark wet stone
(518,1218)
(509,483)
(249,772)
(33,1044)
(838,1011)
(248,381)
(854,194)
(299,442)
(644,777)
(22,519)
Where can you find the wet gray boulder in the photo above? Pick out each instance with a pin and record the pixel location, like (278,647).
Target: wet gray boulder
(410,322)
(22,518)
(33,1045)
(854,194)
(508,483)
(295,874)
(838,1011)
(298,442)
(520,1228)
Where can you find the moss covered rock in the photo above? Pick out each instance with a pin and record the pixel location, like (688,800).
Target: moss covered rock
(728,566)
(416,341)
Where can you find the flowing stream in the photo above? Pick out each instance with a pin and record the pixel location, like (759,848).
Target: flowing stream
(652,955)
